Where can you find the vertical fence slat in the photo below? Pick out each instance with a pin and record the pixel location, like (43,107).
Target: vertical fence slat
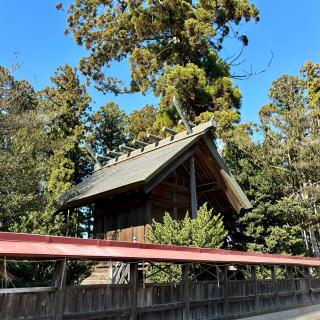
(186,292)
(183,301)
(293,281)
(255,287)
(133,283)
(275,284)
(226,299)
(59,278)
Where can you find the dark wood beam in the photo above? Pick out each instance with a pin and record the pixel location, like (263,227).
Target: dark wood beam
(59,279)
(275,284)
(133,295)
(193,188)
(186,291)
(167,170)
(170,131)
(207,187)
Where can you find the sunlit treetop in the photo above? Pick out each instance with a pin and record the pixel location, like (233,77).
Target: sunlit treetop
(172,47)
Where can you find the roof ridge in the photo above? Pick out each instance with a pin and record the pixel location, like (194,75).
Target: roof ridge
(159,144)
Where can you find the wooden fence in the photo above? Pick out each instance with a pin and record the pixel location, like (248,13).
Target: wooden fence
(216,299)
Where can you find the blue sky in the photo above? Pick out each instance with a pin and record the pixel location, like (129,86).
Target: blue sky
(288,28)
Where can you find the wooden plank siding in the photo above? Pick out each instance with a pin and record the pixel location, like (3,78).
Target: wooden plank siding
(123,218)
(206,300)
(128,216)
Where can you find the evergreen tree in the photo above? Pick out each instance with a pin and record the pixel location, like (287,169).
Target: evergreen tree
(108,128)
(140,122)
(23,150)
(204,231)
(280,171)
(173,49)
(68,163)
(34,137)
(69,101)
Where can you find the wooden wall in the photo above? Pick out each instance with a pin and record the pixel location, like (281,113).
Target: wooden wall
(206,300)
(128,216)
(124,218)
(171,195)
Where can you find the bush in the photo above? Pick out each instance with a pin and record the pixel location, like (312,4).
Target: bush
(205,231)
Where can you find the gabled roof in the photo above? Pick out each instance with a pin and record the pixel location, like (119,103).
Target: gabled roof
(138,168)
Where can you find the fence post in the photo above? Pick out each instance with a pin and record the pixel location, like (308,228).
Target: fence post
(255,287)
(275,284)
(226,299)
(294,289)
(133,282)
(59,279)
(308,273)
(186,292)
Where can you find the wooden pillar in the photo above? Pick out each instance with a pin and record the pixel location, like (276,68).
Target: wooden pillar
(148,220)
(193,188)
(133,283)
(291,276)
(255,287)
(59,279)
(174,196)
(225,293)
(186,292)
(5,275)
(104,231)
(308,274)
(275,284)
(148,212)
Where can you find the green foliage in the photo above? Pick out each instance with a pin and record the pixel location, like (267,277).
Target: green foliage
(40,273)
(107,128)
(184,82)
(69,102)
(204,231)
(280,171)
(78,271)
(172,47)
(140,122)
(40,157)
(23,149)
(31,274)
(311,73)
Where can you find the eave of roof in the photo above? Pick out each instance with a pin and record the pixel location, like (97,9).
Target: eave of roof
(127,175)
(23,246)
(133,170)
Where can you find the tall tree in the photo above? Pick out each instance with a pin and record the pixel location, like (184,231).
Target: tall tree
(140,122)
(23,149)
(68,163)
(108,128)
(280,171)
(172,46)
(34,138)
(69,101)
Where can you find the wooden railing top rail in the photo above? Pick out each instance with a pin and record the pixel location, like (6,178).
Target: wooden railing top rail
(16,245)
